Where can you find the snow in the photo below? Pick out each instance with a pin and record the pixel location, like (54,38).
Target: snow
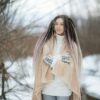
(91,75)
(23,71)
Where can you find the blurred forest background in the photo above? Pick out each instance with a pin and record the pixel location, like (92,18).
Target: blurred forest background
(23,21)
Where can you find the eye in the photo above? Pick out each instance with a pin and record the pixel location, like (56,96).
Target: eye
(55,23)
(62,24)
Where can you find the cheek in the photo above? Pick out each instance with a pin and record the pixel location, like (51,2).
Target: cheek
(55,27)
(62,28)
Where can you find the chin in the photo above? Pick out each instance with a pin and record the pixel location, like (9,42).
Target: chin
(59,33)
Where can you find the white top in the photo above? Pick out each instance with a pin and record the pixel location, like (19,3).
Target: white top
(57,87)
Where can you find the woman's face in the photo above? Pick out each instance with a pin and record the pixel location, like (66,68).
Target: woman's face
(59,26)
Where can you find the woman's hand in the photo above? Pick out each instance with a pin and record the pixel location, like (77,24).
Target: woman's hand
(66,58)
(48,60)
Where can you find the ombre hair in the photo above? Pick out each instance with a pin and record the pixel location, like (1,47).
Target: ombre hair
(70,36)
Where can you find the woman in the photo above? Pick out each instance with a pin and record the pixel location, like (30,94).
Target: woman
(57,61)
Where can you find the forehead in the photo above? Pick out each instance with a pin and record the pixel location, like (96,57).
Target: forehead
(59,20)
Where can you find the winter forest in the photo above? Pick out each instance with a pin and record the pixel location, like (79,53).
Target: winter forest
(21,24)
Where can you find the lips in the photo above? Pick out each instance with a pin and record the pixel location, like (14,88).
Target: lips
(58,31)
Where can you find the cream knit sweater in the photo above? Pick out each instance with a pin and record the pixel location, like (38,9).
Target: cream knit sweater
(57,87)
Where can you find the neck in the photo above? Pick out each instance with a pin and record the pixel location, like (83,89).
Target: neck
(59,34)
(59,38)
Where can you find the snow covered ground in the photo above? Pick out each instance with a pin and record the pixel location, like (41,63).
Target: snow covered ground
(21,77)
(91,75)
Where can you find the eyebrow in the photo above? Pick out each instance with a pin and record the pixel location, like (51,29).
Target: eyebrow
(61,22)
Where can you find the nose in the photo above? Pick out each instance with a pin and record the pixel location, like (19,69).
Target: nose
(58,26)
